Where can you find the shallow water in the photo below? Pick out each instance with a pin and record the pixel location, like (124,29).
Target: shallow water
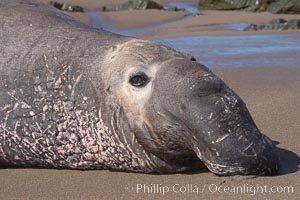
(236,27)
(275,50)
(190,7)
(98,22)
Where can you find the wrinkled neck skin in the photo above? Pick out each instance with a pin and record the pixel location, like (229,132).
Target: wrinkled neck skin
(54,111)
(62,120)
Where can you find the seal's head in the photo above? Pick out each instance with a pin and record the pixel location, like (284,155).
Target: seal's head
(183,114)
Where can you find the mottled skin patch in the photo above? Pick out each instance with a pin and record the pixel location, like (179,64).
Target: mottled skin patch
(54,122)
(67,102)
(52,89)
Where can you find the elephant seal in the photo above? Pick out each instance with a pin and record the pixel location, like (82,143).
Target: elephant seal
(76,97)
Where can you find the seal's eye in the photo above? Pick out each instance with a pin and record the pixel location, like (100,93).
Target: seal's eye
(139,79)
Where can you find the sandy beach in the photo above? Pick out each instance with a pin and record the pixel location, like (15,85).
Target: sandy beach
(272,97)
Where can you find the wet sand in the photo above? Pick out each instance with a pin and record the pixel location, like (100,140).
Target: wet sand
(272,96)
(208,23)
(215,22)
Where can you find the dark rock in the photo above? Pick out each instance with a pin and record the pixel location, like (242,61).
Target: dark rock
(77,9)
(110,8)
(255,27)
(251,27)
(278,21)
(294,24)
(140,5)
(285,6)
(66,7)
(273,6)
(175,9)
(276,24)
(260,26)
(251,5)
(104,9)
(217,5)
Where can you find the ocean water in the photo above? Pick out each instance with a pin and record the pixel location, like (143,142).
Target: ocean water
(276,50)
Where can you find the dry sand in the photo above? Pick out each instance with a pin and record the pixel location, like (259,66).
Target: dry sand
(272,96)
(139,18)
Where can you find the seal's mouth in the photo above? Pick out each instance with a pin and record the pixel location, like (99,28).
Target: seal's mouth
(245,158)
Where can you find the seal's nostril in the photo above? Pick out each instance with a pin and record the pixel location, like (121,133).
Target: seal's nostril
(208,85)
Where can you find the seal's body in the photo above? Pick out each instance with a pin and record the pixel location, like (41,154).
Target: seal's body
(76,97)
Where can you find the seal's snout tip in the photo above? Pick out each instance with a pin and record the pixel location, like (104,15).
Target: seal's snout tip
(267,161)
(276,164)
(222,161)
(267,164)
(271,166)
(267,167)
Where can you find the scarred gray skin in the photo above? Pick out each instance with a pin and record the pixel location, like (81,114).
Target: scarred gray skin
(66,102)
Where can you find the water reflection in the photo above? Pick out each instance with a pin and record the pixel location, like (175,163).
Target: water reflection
(190,7)
(240,51)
